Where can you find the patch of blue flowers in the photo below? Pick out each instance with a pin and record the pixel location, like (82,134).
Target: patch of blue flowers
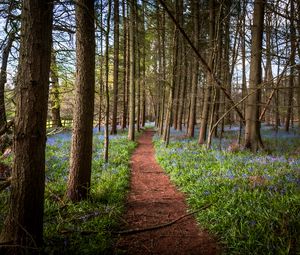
(255,197)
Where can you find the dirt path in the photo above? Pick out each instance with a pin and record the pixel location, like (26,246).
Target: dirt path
(153,200)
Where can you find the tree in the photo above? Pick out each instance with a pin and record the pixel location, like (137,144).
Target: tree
(82,135)
(209,79)
(192,112)
(116,68)
(293,42)
(55,100)
(131,129)
(106,132)
(252,130)
(23,228)
(11,28)
(3,76)
(126,65)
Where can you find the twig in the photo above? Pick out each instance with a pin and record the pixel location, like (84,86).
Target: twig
(56,131)
(139,230)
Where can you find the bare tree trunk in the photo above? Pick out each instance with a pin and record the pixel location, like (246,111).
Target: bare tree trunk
(292,69)
(244,79)
(101,90)
(3,77)
(106,128)
(116,68)
(195,73)
(268,73)
(298,85)
(143,100)
(209,80)
(131,129)
(125,66)
(82,135)
(166,134)
(55,100)
(138,72)
(252,130)
(183,86)
(23,227)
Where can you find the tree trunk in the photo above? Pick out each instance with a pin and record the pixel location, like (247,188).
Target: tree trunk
(131,129)
(268,69)
(209,80)
(23,227)
(55,100)
(116,68)
(138,72)
(195,73)
(252,130)
(292,69)
(125,66)
(82,136)
(106,128)
(183,86)
(298,85)
(143,100)
(3,77)
(101,82)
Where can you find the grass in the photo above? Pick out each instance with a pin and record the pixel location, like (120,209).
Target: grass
(84,227)
(255,197)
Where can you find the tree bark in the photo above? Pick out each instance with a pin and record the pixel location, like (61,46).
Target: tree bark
(209,79)
(252,129)
(23,226)
(101,82)
(3,77)
(131,129)
(125,66)
(106,127)
(55,100)
(82,135)
(292,69)
(143,100)
(195,73)
(116,68)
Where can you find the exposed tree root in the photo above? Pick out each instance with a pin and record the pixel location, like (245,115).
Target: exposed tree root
(139,230)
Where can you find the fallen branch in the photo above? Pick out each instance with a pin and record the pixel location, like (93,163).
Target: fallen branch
(139,230)
(56,131)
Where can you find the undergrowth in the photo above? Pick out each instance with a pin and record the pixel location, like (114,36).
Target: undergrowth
(255,198)
(84,227)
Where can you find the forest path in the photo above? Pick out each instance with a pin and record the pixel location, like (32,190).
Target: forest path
(154,200)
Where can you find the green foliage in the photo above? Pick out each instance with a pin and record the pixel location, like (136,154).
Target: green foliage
(84,227)
(255,197)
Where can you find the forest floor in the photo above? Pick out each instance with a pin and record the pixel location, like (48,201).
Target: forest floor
(153,201)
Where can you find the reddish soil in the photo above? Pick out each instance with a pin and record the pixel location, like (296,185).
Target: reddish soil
(154,200)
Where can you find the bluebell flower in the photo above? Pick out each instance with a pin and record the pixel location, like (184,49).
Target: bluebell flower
(206,192)
(283,191)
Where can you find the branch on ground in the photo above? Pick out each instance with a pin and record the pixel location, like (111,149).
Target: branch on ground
(139,230)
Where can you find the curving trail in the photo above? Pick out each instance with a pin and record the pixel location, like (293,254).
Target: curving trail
(154,200)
